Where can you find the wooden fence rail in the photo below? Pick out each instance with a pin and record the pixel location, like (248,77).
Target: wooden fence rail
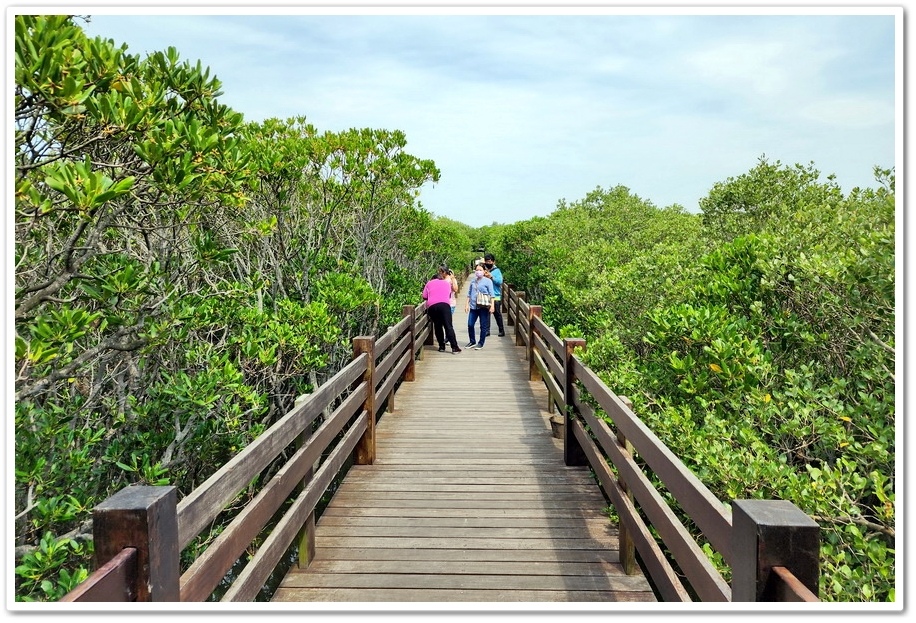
(771,546)
(296,460)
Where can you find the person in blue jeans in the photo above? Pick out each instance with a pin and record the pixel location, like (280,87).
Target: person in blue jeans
(479,283)
(496,275)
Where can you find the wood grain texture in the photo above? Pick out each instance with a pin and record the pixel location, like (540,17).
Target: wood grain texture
(468,499)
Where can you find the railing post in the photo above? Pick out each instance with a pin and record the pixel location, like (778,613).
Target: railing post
(306,553)
(533,374)
(572,450)
(430,335)
(364,453)
(518,335)
(626,545)
(507,296)
(145,518)
(409,372)
(767,534)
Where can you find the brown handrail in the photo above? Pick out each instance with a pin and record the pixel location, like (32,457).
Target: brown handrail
(347,406)
(113,581)
(769,538)
(787,587)
(306,462)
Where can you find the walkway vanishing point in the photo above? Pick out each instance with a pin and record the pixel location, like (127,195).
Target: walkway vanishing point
(468,500)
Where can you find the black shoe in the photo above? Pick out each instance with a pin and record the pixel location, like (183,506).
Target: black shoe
(456,350)
(442,349)
(470,345)
(502,334)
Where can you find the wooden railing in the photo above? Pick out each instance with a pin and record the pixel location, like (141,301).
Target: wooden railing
(140,532)
(771,546)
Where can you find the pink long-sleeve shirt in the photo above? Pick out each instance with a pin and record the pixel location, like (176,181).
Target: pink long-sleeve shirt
(437,291)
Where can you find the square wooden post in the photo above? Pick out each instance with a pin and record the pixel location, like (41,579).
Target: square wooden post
(533,373)
(364,453)
(145,518)
(572,449)
(767,534)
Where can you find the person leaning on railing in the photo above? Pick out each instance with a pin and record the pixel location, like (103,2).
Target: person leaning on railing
(438,292)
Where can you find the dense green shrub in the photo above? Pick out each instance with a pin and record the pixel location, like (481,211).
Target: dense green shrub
(767,363)
(181,276)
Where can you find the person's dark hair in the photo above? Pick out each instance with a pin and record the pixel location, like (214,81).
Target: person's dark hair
(443,269)
(489,256)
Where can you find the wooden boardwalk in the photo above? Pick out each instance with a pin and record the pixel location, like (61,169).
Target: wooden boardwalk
(468,499)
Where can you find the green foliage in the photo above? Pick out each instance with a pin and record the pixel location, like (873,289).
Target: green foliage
(753,201)
(610,255)
(181,276)
(50,572)
(761,352)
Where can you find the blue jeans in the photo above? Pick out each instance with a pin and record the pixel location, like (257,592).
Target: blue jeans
(484,314)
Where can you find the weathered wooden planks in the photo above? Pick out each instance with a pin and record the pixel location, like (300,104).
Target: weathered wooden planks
(468,499)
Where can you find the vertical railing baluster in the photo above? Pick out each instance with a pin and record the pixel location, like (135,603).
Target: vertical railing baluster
(306,549)
(518,324)
(409,311)
(365,449)
(507,296)
(534,311)
(626,544)
(572,449)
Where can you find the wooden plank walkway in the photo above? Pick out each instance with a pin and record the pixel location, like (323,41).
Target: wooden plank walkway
(468,500)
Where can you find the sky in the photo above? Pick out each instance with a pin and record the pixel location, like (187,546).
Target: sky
(521,110)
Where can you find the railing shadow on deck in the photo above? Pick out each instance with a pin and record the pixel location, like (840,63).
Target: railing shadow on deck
(770,545)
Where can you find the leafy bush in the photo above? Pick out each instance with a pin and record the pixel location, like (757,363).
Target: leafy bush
(767,365)
(181,276)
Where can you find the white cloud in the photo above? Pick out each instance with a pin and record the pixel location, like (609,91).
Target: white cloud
(521,111)
(852,112)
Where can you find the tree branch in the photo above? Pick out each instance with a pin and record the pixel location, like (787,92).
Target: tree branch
(112,343)
(857,521)
(886,347)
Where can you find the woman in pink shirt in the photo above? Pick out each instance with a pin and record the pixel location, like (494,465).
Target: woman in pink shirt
(438,292)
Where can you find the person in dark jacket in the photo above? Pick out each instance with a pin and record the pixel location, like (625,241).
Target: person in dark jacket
(496,275)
